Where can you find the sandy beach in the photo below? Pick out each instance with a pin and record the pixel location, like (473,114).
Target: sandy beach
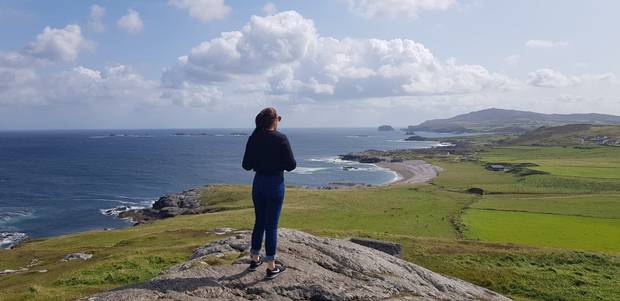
(411,171)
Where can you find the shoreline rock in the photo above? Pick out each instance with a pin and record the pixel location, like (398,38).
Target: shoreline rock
(170,205)
(9,240)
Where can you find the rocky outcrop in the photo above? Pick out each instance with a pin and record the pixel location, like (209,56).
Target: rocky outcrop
(171,205)
(387,247)
(318,269)
(385,128)
(418,138)
(9,240)
(77,256)
(365,157)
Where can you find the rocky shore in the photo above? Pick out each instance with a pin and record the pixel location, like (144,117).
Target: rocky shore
(9,240)
(170,205)
(318,268)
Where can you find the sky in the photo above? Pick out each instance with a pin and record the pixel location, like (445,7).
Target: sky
(321,63)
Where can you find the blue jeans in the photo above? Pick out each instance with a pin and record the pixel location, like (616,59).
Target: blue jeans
(268,196)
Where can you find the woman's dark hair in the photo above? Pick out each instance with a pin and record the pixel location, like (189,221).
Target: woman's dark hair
(265,119)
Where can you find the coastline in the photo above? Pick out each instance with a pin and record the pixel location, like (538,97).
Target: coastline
(186,202)
(410,171)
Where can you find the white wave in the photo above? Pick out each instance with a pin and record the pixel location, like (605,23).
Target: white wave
(443,144)
(10,239)
(126,206)
(403,140)
(358,136)
(114,212)
(144,203)
(122,136)
(395,176)
(332,160)
(365,167)
(308,170)
(10,215)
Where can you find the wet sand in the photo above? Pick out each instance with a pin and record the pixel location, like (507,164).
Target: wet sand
(411,171)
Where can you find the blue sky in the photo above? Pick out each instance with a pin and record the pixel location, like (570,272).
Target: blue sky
(340,62)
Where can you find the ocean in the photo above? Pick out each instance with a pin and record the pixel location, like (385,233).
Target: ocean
(58,182)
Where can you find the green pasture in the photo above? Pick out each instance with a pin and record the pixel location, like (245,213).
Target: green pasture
(588,205)
(594,162)
(544,230)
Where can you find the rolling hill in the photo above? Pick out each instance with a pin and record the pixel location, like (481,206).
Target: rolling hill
(508,121)
(570,134)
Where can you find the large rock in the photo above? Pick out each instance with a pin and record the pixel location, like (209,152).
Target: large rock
(77,256)
(391,248)
(171,205)
(318,269)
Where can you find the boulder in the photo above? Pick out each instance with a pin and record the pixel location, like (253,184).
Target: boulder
(166,201)
(77,256)
(167,212)
(318,269)
(189,203)
(476,190)
(370,160)
(391,248)
(171,205)
(416,138)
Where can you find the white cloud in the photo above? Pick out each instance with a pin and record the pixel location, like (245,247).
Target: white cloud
(203,10)
(191,95)
(549,78)
(263,43)
(285,52)
(541,44)
(96,15)
(117,84)
(281,59)
(58,44)
(131,22)
(397,8)
(31,77)
(270,8)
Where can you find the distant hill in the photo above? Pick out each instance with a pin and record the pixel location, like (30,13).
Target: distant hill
(508,121)
(571,134)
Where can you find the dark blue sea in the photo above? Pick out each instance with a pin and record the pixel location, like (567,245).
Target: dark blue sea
(58,182)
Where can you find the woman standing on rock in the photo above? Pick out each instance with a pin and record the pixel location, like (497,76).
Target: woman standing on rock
(268,153)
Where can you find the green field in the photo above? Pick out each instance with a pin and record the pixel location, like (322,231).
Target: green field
(534,237)
(595,162)
(589,205)
(544,230)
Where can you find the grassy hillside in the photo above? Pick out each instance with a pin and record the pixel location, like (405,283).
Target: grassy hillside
(531,237)
(508,121)
(571,134)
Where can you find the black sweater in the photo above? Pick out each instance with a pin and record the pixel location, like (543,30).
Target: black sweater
(268,153)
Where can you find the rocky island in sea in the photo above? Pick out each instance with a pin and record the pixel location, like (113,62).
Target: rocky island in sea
(385,128)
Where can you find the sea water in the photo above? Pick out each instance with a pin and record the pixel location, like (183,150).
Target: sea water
(58,182)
